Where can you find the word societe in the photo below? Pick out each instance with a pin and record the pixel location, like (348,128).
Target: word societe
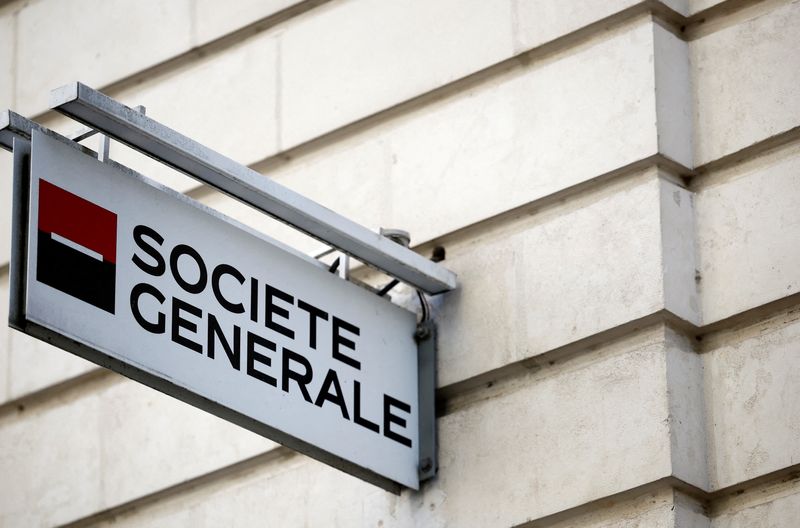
(279,311)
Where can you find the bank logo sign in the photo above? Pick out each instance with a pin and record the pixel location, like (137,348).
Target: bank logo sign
(77,246)
(142,280)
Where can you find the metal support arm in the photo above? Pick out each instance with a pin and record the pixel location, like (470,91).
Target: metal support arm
(150,137)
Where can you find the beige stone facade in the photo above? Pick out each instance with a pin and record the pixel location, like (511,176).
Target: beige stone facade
(615,182)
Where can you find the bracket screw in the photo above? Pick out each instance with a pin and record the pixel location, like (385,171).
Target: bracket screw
(422,333)
(426,465)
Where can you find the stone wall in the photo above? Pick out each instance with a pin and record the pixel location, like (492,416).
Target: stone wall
(615,183)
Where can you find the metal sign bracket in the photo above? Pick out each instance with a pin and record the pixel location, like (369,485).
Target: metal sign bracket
(426,361)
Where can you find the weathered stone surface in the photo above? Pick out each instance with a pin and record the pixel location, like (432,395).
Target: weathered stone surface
(213,20)
(518,299)
(316,98)
(745,80)
(554,432)
(748,223)
(536,22)
(209,507)
(503,144)
(54,463)
(679,252)
(774,508)
(753,401)
(687,413)
(687,513)
(511,142)
(399,49)
(114,442)
(130,38)
(557,437)
(673,96)
(34,365)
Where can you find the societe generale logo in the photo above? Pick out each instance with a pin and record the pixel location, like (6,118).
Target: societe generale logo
(77,242)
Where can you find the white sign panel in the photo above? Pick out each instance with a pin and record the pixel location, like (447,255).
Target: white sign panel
(158,287)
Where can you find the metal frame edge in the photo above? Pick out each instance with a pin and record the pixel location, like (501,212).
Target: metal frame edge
(19,234)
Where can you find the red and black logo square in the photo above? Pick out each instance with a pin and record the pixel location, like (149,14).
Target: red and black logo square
(77,246)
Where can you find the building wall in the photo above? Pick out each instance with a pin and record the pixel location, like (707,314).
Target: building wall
(615,184)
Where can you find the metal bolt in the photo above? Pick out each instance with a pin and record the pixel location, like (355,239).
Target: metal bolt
(397,235)
(426,464)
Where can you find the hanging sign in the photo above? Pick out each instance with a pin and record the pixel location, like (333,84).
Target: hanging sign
(140,279)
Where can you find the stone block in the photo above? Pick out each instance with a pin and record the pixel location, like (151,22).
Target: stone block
(34,365)
(679,252)
(688,513)
(107,40)
(748,223)
(746,81)
(687,416)
(400,50)
(555,435)
(210,506)
(673,96)
(55,464)
(662,508)
(213,20)
(468,38)
(777,509)
(536,22)
(562,275)
(112,443)
(752,400)
(514,140)
(502,144)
